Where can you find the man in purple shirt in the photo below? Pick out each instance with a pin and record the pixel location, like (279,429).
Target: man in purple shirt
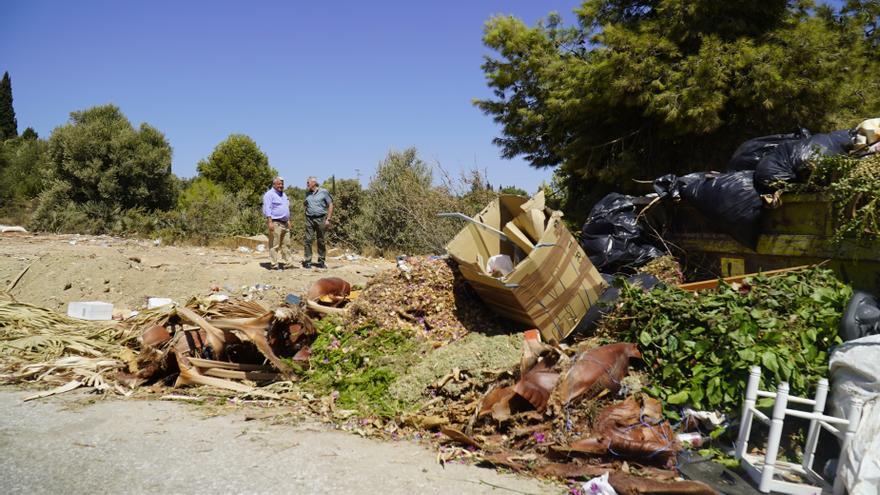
(276,209)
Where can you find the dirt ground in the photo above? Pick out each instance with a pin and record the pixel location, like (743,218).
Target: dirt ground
(125,272)
(74,444)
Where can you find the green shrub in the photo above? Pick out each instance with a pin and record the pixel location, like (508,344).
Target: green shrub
(400,205)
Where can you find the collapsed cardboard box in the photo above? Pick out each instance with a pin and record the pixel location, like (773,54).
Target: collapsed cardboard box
(552,284)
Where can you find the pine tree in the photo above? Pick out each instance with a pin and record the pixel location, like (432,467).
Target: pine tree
(8,124)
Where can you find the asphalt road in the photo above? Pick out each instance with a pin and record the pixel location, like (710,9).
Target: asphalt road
(129,446)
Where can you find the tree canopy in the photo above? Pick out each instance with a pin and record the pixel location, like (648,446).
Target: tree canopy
(100,158)
(643,87)
(238,165)
(8,123)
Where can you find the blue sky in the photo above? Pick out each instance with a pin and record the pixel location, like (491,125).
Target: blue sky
(323,88)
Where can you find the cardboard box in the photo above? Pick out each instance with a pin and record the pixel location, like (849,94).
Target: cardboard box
(553,283)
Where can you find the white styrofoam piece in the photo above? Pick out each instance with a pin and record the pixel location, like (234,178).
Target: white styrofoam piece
(90,310)
(155,302)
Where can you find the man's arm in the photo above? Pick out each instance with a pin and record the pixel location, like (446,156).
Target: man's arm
(329,213)
(267,211)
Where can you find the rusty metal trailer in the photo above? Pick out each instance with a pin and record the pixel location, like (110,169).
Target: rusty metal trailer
(798,232)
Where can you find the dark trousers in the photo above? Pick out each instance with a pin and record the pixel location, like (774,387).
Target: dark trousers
(315,228)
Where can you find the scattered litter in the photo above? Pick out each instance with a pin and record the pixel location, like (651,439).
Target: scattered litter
(261,248)
(90,310)
(599,486)
(244,249)
(499,266)
(401,263)
(155,302)
(12,228)
(351,257)
(328,295)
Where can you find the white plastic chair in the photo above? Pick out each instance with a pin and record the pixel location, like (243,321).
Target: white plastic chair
(763,470)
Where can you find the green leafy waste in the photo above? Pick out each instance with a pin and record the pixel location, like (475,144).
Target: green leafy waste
(699,346)
(360,365)
(853,187)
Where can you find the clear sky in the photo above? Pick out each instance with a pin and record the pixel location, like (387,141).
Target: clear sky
(322,87)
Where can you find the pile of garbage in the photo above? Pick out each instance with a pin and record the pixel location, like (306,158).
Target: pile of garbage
(427,295)
(564,413)
(224,343)
(759,170)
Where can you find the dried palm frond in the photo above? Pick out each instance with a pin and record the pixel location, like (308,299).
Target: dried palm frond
(230,308)
(74,371)
(33,333)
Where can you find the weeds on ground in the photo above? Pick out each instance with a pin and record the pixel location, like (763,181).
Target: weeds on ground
(358,366)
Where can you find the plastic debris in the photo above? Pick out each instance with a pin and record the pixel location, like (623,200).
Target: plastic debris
(749,153)
(599,486)
(155,302)
(90,310)
(244,249)
(612,236)
(729,200)
(788,161)
(499,265)
(861,317)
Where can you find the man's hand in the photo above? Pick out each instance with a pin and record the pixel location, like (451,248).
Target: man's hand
(326,222)
(271,226)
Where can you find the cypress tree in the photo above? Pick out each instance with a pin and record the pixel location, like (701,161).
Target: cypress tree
(8,124)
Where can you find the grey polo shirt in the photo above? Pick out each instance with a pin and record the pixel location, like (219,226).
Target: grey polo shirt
(317,202)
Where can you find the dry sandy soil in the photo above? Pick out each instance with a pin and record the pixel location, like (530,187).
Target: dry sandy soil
(135,446)
(125,272)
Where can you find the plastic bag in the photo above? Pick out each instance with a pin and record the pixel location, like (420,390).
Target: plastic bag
(854,369)
(500,264)
(729,200)
(612,238)
(788,161)
(599,486)
(749,153)
(861,317)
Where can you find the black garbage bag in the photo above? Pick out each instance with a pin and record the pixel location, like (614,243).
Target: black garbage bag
(613,239)
(749,153)
(729,200)
(788,161)
(861,317)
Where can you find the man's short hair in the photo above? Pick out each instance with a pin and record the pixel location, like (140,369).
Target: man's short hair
(277,179)
(313,178)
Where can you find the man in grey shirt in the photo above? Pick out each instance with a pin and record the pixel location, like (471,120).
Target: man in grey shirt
(319,210)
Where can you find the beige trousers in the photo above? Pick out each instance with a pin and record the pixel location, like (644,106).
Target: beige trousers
(279,242)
